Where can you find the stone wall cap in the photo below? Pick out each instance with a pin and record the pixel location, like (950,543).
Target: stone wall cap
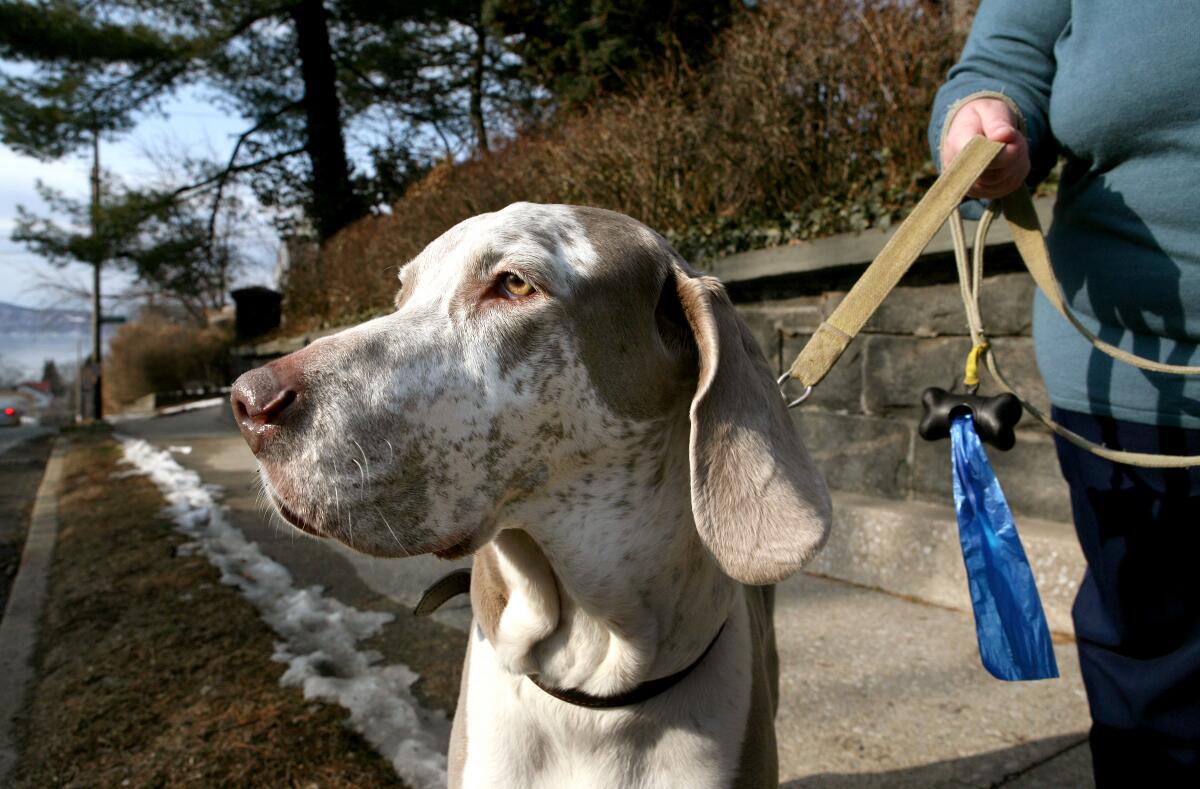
(848,249)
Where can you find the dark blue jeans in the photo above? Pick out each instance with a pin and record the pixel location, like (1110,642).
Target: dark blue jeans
(1137,614)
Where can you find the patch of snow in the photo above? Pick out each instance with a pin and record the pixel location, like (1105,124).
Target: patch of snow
(179,450)
(189,548)
(319,634)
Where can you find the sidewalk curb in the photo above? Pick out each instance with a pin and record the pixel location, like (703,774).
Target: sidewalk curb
(23,615)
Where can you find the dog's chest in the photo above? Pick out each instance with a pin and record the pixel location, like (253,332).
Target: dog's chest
(690,736)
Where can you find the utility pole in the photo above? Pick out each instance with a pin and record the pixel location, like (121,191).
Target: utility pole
(97,391)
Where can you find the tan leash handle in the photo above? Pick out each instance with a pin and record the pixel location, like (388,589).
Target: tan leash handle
(893,261)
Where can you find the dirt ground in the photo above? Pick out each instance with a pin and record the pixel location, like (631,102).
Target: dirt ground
(20,474)
(151,673)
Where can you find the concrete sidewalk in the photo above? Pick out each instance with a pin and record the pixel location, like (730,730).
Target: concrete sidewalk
(876,690)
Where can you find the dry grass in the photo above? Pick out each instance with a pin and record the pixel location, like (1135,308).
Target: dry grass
(809,121)
(154,674)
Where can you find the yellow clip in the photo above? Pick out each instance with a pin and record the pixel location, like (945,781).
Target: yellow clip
(971,373)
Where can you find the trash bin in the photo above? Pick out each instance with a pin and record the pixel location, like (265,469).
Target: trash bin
(258,311)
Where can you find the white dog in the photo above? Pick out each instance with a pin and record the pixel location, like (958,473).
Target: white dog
(561,395)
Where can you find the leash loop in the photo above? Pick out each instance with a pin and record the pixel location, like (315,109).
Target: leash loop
(782,382)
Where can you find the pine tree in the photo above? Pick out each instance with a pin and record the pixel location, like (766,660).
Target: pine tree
(578,49)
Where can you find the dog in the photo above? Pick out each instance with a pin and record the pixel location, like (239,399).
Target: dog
(561,395)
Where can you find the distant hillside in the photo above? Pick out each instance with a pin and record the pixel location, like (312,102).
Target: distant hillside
(15,319)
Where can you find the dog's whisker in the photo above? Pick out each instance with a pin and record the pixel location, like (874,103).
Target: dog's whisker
(391,451)
(366,463)
(389,527)
(337,507)
(361,473)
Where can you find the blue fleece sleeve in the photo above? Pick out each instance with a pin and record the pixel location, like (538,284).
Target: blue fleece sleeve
(1010,50)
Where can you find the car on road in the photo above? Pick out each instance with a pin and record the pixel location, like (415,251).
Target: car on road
(10,415)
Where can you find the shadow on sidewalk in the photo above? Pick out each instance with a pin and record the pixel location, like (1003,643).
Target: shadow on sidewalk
(1055,761)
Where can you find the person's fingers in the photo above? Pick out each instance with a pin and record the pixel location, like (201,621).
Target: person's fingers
(1008,170)
(994,120)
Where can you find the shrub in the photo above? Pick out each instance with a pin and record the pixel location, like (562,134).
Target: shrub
(809,121)
(155,354)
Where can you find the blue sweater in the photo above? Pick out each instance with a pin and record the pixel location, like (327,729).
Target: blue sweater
(1114,86)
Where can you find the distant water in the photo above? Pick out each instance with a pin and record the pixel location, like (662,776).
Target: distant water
(28,352)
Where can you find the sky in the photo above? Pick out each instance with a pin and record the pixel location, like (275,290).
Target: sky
(187,125)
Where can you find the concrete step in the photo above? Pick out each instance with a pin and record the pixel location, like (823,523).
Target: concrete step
(911,548)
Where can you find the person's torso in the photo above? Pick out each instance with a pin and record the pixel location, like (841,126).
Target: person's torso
(1125,109)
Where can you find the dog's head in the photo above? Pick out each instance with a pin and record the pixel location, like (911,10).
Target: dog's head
(531,348)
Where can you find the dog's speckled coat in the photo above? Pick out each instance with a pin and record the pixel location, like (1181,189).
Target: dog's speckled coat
(613,449)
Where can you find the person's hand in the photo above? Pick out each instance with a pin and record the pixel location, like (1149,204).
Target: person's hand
(995,120)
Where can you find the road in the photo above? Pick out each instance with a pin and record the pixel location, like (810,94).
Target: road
(876,690)
(11,437)
(23,454)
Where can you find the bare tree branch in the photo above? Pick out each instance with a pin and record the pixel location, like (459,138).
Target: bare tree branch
(223,178)
(241,168)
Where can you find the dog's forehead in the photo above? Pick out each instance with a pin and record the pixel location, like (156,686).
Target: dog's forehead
(563,243)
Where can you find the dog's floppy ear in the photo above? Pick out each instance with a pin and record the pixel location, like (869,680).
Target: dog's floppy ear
(761,508)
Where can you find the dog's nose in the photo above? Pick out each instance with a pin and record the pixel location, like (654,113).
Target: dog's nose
(260,399)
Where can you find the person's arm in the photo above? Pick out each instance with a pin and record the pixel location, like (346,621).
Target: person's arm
(1001,88)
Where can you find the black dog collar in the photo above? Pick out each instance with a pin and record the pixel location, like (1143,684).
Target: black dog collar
(635,695)
(459,582)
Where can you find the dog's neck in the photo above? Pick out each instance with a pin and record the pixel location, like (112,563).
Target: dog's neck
(609,585)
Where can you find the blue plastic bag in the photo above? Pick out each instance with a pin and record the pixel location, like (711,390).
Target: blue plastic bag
(1014,640)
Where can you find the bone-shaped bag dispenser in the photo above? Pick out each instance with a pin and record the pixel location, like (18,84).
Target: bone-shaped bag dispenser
(994,417)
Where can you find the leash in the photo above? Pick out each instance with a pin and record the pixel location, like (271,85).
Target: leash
(458,582)
(938,205)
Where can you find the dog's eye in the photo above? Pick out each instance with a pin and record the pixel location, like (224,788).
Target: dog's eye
(515,285)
